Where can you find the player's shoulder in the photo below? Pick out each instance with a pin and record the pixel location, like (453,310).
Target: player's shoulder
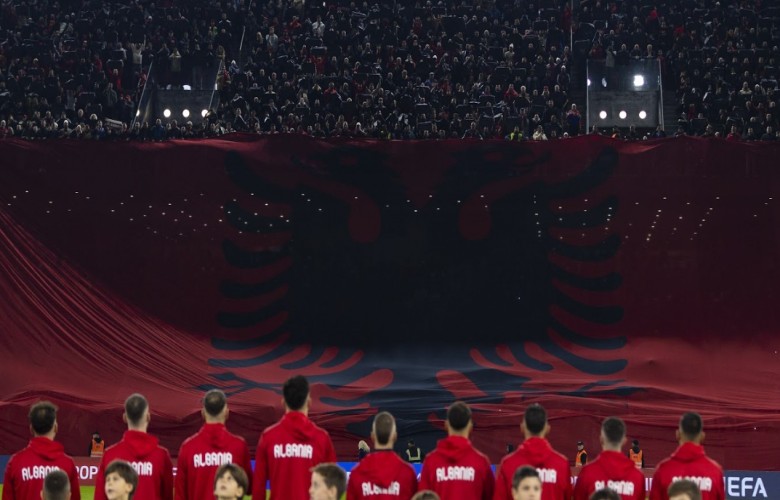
(322,433)
(715,466)
(188,444)
(480,457)
(664,466)
(558,459)
(235,437)
(272,430)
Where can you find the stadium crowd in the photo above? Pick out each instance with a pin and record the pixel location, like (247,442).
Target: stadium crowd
(718,57)
(297,459)
(390,69)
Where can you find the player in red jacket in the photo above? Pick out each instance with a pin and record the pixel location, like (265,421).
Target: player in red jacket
(151,461)
(455,470)
(288,450)
(689,462)
(382,475)
(611,469)
(27,468)
(535,451)
(201,454)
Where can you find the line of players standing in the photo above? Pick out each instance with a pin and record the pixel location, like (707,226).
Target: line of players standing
(298,459)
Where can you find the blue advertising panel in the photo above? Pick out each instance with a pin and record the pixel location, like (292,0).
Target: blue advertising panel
(752,484)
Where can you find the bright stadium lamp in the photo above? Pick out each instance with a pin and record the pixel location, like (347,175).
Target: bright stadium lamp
(639,80)
(167,113)
(603,115)
(642,114)
(204,112)
(185,113)
(622,114)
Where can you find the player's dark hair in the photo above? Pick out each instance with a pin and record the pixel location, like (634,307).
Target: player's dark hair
(522,473)
(214,402)
(691,425)
(605,494)
(135,407)
(614,430)
(458,415)
(56,485)
(42,416)
(685,487)
(426,495)
(296,391)
(384,423)
(535,419)
(333,475)
(238,474)
(125,471)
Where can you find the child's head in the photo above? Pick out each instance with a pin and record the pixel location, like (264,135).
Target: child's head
(605,494)
(328,482)
(56,486)
(684,489)
(121,480)
(230,481)
(526,484)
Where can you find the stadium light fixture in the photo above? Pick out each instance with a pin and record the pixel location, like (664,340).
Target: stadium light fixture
(186,87)
(639,80)
(642,114)
(167,113)
(588,82)
(604,82)
(204,112)
(185,113)
(603,115)
(622,114)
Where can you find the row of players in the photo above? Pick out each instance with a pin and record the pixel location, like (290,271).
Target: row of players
(328,482)
(288,451)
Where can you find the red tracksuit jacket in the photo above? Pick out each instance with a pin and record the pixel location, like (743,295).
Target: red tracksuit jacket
(457,471)
(382,475)
(200,456)
(611,470)
(27,469)
(553,469)
(689,462)
(150,460)
(285,453)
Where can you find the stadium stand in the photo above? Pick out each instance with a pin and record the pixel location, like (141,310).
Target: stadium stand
(382,69)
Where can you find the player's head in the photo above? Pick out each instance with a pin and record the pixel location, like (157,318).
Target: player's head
(328,482)
(215,406)
(121,480)
(383,430)
(691,428)
(605,494)
(230,481)
(535,421)
(136,411)
(43,418)
(459,418)
(296,393)
(613,434)
(526,484)
(426,495)
(684,489)
(56,486)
